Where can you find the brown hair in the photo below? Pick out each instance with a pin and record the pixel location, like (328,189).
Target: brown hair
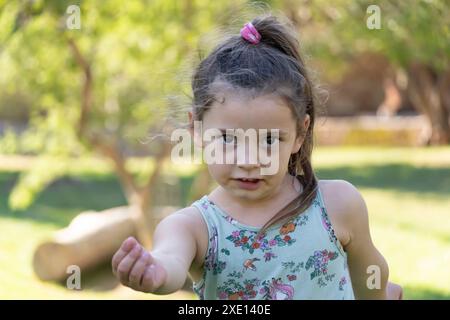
(273,65)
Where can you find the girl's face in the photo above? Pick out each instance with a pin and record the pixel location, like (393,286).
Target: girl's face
(239,111)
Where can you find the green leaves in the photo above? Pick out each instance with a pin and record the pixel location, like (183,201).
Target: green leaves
(331,33)
(116,72)
(31,182)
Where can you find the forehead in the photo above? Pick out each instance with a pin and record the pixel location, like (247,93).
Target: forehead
(242,110)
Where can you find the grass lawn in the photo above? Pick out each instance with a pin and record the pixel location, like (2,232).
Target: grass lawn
(21,232)
(407,192)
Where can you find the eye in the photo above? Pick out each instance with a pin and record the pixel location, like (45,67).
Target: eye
(270,140)
(228,138)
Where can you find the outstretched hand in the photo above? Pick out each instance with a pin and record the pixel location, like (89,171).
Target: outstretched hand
(136,268)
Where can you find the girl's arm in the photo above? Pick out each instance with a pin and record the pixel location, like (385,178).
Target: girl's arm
(163,270)
(368,269)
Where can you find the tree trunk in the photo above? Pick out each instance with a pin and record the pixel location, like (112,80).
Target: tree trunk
(143,216)
(425,94)
(392,99)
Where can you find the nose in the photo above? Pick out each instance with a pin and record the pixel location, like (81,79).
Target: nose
(247,156)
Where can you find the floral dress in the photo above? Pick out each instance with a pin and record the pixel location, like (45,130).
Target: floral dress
(301,259)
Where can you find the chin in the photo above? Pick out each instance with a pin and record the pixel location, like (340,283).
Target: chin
(249,195)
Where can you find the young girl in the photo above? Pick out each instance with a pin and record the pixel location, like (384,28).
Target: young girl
(279,236)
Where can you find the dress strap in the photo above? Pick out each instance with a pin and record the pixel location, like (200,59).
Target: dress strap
(326,222)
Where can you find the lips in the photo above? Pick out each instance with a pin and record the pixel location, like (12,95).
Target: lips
(248,179)
(248,183)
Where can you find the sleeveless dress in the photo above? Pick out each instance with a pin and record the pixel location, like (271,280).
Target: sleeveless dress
(301,259)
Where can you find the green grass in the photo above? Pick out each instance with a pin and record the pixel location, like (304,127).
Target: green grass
(407,192)
(21,232)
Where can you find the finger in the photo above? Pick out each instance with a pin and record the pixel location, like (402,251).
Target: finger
(153,278)
(127,263)
(138,270)
(124,249)
(147,278)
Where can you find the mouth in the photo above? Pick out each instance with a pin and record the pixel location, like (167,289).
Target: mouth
(248,183)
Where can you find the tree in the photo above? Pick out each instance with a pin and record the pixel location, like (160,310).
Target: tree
(413,35)
(101,88)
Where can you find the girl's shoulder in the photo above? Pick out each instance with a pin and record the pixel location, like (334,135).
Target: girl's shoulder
(345,207)
(341,196)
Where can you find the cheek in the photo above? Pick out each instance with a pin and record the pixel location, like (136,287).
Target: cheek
(219,171)
(284,155)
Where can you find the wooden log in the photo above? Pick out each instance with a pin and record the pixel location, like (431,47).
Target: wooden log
(90,240)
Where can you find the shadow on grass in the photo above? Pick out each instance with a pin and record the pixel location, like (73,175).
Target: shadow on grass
(64,199)
(398,177)
(69,196)
(97,279)
(101,278)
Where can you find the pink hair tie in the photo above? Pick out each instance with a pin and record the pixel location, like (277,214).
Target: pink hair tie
(249,33)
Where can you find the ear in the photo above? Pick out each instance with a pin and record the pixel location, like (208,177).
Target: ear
(299,140)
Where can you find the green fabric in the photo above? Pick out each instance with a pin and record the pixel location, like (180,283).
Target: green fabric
(301,259)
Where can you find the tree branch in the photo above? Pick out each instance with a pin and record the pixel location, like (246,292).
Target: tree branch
(109,150)
(86,97)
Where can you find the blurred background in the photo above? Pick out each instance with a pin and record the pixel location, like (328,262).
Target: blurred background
(90,90)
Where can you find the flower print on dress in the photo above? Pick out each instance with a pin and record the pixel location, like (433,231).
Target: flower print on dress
(287,228)
(291,277)
(212,261)
(231,220)
(276,290)
(268,256)
(265,267)
(293,267)
(328,226)
(205,205)
(199,291)
(235,274)
(249,264)
(319,263)
(342,282)
(290,226)
(247,241)
(232,289)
